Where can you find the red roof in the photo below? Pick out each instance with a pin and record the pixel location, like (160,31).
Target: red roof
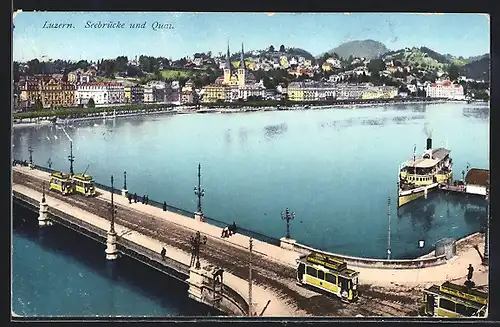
(477,176)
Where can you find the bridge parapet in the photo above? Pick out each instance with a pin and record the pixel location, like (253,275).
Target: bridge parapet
(422,262)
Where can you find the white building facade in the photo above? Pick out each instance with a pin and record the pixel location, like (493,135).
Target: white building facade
(445,90)
(102,93)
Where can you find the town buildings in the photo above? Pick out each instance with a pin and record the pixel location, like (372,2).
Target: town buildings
(101,92)
(133,94)
(52,92)
(321,91)
(445,89)
(235,84)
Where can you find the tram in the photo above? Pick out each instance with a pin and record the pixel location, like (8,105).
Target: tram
(328,274)
(455,301)
(83,184)
(61,183)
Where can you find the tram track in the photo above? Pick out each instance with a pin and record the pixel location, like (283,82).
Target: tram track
(234,259)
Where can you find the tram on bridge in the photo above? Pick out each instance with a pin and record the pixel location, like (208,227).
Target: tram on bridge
(455,301)
(68,184)
(328,274)
(62,183)
(83,184)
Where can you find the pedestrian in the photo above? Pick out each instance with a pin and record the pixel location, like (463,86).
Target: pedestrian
(164,206)
(163,252)
(470,272)
(233,228)
(143,199)
(147,199)
(135,197)
(129,196)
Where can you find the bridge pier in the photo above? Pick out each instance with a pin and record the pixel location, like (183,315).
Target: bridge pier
(205,285)
(198,216)
(43,214)
(111,252)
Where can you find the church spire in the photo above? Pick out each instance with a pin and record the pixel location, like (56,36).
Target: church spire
(242,58)
(228,58)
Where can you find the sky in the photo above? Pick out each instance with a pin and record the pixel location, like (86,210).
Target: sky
(458,34)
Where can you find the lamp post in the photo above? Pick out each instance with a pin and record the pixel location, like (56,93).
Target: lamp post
(389,229)
(111,251)
(196,241)
(49,163)
(71,159)
(124,180)
(487,232)
(30,150)
(198,191)
(113,209)
(287,215)
(43,192)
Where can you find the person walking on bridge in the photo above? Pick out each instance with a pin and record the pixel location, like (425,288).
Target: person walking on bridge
(163,253)
(135,197)
(164,206)
(129,197)
(143,199)
(470,272)
(147,199)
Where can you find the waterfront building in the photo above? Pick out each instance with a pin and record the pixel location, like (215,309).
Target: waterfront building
(380,92)
(350,91)
(326,67)
(53,93)
(101,92)
(476,181)
(157,91)
(234,84)
(133,93)
(311,91)
(445,89)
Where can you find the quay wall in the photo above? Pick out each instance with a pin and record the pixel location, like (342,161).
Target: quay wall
(369,262)
(233,301)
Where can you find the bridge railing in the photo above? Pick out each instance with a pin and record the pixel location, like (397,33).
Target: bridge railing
(186,213)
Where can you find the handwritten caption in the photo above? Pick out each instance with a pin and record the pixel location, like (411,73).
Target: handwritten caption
(155,26)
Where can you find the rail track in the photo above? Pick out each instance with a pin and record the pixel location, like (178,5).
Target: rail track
(266,272)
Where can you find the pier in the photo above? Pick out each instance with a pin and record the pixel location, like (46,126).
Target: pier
(388,287)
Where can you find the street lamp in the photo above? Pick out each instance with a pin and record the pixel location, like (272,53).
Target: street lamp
(287,215)
(71,159)
(43,192)
(124,180)
(198,191)
(113,208)
(30,150)
(196,241)
(49,163)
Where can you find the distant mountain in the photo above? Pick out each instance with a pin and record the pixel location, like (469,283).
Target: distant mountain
(477,58)
(360,48)
(478,70)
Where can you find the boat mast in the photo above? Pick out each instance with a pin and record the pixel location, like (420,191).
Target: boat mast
(414,159)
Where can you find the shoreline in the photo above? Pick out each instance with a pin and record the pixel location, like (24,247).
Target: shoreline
(36,122)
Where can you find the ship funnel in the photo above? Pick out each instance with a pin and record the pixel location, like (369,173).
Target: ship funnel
(429,143)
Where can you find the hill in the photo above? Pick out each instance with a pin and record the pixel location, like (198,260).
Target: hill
(422,58)
(289,53)
(360,48)
(479,70)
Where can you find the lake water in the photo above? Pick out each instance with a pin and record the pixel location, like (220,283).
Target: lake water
(334,168)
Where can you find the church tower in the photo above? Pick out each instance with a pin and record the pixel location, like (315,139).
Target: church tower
(242,68)
(227,67)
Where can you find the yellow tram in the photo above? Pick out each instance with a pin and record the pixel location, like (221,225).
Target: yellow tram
(455,301)
(83,184)
(61,182)
(328,274)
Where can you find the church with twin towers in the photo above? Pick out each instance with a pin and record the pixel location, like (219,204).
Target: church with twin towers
(236,83)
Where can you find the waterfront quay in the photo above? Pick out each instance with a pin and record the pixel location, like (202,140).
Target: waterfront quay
(388,287)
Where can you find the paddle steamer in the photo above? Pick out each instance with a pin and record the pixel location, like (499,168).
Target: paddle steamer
(423,174)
